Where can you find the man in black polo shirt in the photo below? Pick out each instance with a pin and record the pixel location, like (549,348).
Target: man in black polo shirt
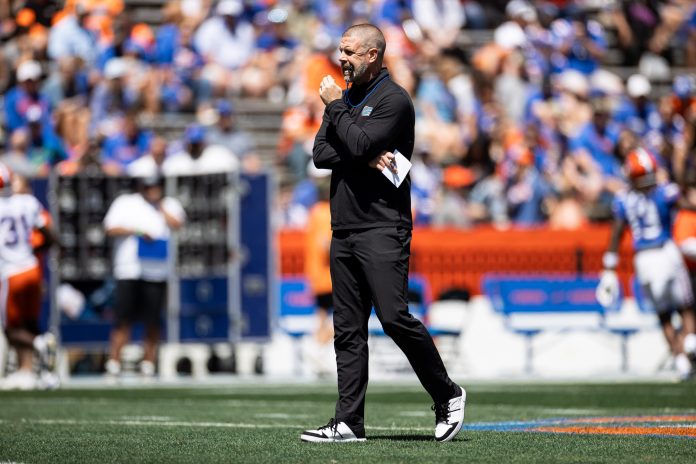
(371,222)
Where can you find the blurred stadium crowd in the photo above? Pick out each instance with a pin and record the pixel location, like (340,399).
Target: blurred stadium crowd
(525,109)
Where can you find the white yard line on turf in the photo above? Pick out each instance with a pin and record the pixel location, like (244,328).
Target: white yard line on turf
(231,425)
(571,411)
(279,415)
(415,413)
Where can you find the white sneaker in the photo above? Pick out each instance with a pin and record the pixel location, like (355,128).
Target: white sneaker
(683,365)
(20,380)
(45,346)
(690,348)
(449,417)
(48,381)
(147,369)
(333,432)
(113,368)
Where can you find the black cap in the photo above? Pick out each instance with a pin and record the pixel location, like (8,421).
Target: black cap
(151,181)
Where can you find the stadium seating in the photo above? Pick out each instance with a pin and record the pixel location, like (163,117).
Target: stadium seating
(260,118)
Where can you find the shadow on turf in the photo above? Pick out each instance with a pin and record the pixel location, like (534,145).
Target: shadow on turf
(409,438)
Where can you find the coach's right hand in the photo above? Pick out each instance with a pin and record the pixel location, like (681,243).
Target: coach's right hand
(329,90)
(383,161)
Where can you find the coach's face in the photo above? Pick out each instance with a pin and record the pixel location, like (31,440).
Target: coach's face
(355,59)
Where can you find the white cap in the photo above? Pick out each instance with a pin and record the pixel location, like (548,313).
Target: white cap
(115,68)
(510,35)
(606,82)
(521,9)
(573,81)
(229,8)
(28,70)
(638,86)
(654,67)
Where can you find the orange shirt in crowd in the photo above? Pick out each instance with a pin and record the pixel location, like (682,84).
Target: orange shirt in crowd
(685,227)
(318,243)
(319,65)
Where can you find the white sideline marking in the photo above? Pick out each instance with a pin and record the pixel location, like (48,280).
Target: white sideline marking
(569,411)
(228,425)
(278,415)
(415,413)
(238,425)
(147,418)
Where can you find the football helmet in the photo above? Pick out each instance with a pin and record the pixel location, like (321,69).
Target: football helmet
(641,168)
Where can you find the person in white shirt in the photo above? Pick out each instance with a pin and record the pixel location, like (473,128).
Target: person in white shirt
(140,224)
(21,288)
(151,163)
(198,158)
(226,38)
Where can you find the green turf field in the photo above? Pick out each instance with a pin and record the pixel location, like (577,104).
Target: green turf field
(261,424)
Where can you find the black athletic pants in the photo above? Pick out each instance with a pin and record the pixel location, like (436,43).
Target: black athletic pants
(371,266)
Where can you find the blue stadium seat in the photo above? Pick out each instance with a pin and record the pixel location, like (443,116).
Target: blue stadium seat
(296,312)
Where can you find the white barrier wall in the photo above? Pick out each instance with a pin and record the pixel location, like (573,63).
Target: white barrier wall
(489,350)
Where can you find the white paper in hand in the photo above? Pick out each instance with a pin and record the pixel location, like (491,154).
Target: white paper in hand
(403,165)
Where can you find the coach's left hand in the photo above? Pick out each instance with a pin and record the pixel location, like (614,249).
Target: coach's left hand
(329,90)
(384,161)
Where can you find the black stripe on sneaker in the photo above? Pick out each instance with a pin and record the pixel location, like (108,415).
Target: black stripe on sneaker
(312,434)
(448,433)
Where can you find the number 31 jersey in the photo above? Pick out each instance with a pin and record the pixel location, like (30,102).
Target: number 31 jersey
(649,214)
(20,214)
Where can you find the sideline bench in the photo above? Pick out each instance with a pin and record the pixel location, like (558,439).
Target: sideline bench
(531,304)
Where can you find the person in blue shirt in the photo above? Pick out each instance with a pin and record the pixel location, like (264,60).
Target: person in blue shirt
(45,148)
(274,33)
(24,95)
(68,80)
(636,112)
(125,146)
(527,192)
(599,138)
(179,64)
(111,98)
(581,43)
(647,210)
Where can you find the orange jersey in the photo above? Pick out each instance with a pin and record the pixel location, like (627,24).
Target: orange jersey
(684,228)
(317,248)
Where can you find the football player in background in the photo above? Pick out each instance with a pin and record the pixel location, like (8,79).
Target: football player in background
(685,237)
(647,208)
(21,284)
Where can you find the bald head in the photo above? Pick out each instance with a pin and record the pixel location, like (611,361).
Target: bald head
(370,37)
